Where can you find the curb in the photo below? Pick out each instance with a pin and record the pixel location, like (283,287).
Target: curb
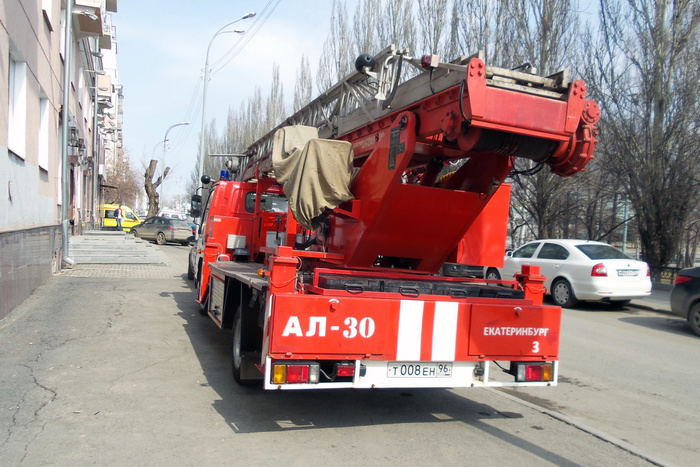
(624,445)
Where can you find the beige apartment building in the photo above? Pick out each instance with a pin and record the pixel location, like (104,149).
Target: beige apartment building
(45,160)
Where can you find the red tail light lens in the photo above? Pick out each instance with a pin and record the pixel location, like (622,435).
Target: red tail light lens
(681,279)
(648,271)
(344,369)
(599,270)
(297,373)
(170,227)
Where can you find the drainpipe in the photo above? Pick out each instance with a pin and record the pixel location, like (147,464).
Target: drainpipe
(65,115)
(95,161)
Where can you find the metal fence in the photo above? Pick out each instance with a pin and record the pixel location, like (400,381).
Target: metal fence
(663,274)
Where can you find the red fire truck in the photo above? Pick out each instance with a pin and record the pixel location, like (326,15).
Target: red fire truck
(323,254)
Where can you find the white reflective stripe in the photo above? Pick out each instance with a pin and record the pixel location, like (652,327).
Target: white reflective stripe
(445,331)
(410,327)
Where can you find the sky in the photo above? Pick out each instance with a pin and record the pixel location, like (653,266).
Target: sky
(161,50)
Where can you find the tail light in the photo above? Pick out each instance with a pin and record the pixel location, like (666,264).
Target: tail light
(295,373)
(680,280)
(529,372)
(170,227)
(345,369)
(599,270)
(648,271)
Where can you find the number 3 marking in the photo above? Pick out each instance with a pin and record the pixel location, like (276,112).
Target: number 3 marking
(535,347)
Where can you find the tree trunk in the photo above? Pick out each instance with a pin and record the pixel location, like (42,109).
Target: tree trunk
(151,187)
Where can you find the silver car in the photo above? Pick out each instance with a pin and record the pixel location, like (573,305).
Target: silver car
(162,230)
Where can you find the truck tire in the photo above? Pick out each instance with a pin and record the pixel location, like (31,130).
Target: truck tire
(204,304)
(237,349)
(563,294)
(190,271)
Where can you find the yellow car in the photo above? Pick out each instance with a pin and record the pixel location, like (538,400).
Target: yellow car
(109,219)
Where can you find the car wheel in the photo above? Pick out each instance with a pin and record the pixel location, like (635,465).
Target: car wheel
(190,271)
(694,318)
(493,274)
(160,238)
(619,303)
(563,294)
(134,233)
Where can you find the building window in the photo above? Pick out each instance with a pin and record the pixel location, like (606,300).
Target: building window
(44,133)
(17,118)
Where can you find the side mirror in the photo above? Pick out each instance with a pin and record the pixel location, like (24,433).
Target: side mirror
(196,209)
(509,253)
(206,179)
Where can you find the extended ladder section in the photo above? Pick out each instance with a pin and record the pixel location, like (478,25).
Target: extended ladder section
(380,89)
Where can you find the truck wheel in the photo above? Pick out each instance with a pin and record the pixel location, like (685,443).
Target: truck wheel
(160,238)
(204,305)
(190,271)
(237,351)
(563,294)
(492,274)
(694,318)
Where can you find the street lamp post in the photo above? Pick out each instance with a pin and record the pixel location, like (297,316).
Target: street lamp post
(165,149)
(204,92)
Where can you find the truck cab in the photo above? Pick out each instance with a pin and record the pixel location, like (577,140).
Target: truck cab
(238,219)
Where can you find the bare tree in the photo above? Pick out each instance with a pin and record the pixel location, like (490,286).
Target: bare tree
(483,25)
(432,18)
(364,28)
(124,181)
(643,66)
(336,58)
(151,187)
(545,29)
(303,87)
(275,102)
(397,26)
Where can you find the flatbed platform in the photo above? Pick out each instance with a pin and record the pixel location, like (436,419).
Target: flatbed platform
(247,273)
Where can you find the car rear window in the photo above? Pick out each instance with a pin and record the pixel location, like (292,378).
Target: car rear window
(180,224)
(602,252)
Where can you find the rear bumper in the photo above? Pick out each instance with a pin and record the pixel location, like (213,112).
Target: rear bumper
(374,375)
(613,292)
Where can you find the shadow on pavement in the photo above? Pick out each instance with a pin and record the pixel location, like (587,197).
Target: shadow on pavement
(670,324)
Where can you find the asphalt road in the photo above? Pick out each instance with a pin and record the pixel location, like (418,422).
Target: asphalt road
(108,370)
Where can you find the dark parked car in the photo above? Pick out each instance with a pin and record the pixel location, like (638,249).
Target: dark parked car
(685,297)
(162,230)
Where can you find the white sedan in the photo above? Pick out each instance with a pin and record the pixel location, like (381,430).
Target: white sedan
(580,270)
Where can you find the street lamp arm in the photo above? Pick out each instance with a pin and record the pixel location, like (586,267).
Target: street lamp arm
(204,94)
(206,61)
(171,127)
(165,150)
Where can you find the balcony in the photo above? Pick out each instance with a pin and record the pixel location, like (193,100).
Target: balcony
(91,20)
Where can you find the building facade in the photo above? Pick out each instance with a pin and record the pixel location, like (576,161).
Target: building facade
(36,48)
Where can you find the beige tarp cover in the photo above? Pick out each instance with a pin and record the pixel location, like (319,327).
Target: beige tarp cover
(314,173)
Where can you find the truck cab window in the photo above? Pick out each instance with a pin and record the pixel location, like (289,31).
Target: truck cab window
(269,202)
